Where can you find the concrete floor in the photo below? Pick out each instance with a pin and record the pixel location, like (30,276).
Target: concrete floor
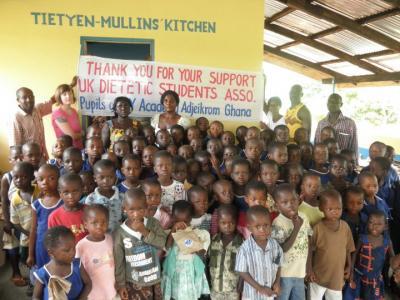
(8,291)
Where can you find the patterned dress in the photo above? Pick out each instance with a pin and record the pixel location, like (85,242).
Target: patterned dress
(368,271)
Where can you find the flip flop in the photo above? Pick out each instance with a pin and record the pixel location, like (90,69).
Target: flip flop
(19,281)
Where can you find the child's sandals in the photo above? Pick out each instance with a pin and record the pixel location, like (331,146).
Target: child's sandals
(18,280)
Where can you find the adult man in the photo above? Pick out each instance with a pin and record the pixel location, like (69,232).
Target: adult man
(298,114)
(27,123)
(345,128)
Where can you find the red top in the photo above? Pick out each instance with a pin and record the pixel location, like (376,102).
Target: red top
(70,219)
(72,119)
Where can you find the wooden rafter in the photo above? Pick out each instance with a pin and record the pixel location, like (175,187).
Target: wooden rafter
(344,22)
(303,62)
(361,21)
(278,15)
(325,48)
(361,56)
(395,76)
(394,3)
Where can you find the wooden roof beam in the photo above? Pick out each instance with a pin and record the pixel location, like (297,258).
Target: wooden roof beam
(303,62)
(360,56)
(278,15)
(344,22)
(394,3)
(325,48)
(395,76)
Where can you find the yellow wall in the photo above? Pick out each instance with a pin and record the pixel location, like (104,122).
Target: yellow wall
(41,57)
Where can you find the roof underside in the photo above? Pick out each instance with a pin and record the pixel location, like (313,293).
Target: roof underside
(346,42)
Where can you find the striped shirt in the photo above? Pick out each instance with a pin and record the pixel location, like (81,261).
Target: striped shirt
(29,127)
(346,132)
(261,264)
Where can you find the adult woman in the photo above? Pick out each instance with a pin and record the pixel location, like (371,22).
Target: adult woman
(65,119)
(272,117)
(170,100)
(115,128)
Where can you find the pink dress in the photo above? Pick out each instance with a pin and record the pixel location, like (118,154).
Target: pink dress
(73,121)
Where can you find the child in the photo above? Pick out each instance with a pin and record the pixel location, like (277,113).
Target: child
(206,180)
(327,132)
(172,190)
(204,159)
(152,190)
(306,150)
(10,242)
(177,134)
(351,159)
(193,170)
(62,270)
(223,194)
(184,274)
(72,161)
(70,214)
(93,130)
(186,152)
(380,166)
(278,152)
(240,176)
(32,154)
(96,253)
(149,135)
(252,132)
(180,171)
(216,130)
(230,152)
(202,123)
(369,184)
(252,151)
(136,241)
(172,149)
(366,281)
(147,162)
(47,180)
(293,232)
(20,204)
(255,194)
(282,134)
(138,145)
(320,162)
(214,148)
(333,147)
(337,174)
(88,184)
(163,139)
(301,135)
(93,150)
(294,153)
(260,272)
(294,175)
(267,136)
(196,144)
(241,132)
(228,139)
(310,189)
(199,199)
(269,175)
(353,214)
(62,143)
(131,168)
(193,132)
(107,193)
(223,250)
(331,239)
(120,149)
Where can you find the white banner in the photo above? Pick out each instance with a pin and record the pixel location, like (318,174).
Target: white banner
(215,93)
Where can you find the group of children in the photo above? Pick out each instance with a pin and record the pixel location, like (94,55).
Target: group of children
(199,213)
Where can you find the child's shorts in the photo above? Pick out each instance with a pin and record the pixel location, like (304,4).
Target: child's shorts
(146,292)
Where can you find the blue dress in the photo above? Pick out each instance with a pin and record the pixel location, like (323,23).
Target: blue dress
(42,214)
(74,277)
(368,271)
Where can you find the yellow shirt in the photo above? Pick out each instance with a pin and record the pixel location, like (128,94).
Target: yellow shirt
(292,119)
(313,213)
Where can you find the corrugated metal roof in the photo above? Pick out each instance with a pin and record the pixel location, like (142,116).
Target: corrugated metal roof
(389,26)
(309,53)
(347,69)
(355,9)
(351,43)
(275,39)
(389,62)
(303,23)
(272,7)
